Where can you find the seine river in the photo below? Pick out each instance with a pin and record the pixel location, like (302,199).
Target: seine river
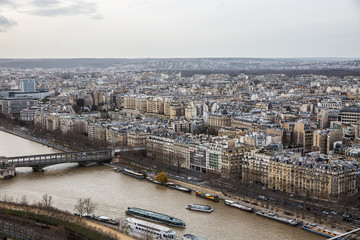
(114,192)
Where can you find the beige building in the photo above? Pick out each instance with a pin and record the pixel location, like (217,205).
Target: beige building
(136,139)
(167,107)
(311,179)
(116,137)
(176,110)
(155,105)
(242,123)
(303,135)
(129,101)
(323,140)
(141,103)
(217,121)
(190,111)
(232,158)
(304,176)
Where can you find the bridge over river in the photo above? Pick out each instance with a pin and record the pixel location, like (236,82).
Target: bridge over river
(37,162)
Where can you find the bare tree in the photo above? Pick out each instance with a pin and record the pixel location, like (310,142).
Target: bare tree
(46,201)
(24,200)
(89,206)
(80,206)
(85,206)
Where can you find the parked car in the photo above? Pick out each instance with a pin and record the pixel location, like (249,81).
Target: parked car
(262,198)
(325,212)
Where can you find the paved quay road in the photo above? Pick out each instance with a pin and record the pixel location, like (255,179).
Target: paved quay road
(114,192)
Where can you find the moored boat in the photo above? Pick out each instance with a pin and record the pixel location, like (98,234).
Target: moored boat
(155,217)
(150,179)
(319,230)
(210,197)
(238,206)
(276,217)
(192,237)
(200,208)
(103,219)
(178,187)
(106,219)
(133,173)
(151,229)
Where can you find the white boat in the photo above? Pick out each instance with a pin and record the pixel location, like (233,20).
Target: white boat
(276,217)
(200,208)
(133,173)
(151,229)
(239,206)
(192,237)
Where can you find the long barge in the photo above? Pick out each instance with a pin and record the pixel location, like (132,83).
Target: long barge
(210,197)
(319,230)
(276,217)
(178,187)
(155,217)
(133,173)
(238,206)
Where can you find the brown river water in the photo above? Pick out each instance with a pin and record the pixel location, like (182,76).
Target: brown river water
(114,192)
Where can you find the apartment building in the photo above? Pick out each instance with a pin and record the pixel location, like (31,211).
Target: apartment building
(349,115)
(316,178)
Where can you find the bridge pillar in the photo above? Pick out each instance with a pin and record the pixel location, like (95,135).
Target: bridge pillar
(38,168)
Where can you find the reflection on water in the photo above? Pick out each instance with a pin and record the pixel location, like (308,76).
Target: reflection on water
(114,192)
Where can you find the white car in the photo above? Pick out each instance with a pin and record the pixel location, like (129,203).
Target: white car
(263,198)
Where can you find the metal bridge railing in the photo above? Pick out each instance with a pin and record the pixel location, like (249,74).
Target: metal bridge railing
(351,235)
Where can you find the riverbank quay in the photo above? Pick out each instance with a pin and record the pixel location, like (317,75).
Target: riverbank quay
(20,220)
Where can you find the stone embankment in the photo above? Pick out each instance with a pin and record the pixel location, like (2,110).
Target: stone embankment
(49,217)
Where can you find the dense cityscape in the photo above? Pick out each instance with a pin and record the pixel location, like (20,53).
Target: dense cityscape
(265,128)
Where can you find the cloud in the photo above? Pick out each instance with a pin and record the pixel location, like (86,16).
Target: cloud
(6,24)
(8,3)
(48,8)
(44,3)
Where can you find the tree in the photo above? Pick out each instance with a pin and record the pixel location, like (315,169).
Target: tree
(46,201)
(80,206)
(161,177)
(85,206)
(24,200)
(89,206)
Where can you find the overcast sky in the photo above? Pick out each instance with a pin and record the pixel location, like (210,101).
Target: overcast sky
(179,28)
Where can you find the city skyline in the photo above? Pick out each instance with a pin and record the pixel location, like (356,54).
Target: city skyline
(180,29)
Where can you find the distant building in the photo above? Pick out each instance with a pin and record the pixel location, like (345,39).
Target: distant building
(15,105)
(28,114)
(27,85)
(349,114)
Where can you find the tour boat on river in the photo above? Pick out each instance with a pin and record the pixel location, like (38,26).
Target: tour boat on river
(319,230)
(276,217)
(210,197)
(238,206)
(155,217)
(200,208)
(151,229)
